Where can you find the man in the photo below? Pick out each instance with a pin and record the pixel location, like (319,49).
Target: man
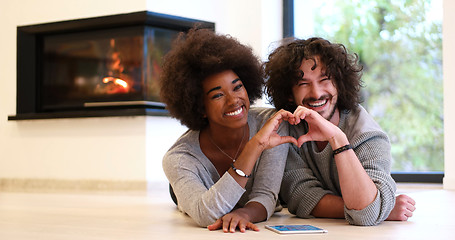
(342,169)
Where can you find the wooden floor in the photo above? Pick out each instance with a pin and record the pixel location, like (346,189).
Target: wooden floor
(127,215)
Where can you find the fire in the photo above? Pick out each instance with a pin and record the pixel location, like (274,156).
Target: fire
(121,83)
(120,86)
(116,81)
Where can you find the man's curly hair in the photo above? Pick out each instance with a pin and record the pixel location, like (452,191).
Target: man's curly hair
(282,71)
(195,56)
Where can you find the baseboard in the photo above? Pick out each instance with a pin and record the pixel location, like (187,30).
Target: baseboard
(51,185)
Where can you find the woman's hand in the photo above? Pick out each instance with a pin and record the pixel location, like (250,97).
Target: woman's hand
(268,137)
(231,221)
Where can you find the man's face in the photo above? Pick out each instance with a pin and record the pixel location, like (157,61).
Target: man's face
(316,91)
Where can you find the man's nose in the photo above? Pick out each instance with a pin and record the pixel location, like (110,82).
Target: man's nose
(315,91)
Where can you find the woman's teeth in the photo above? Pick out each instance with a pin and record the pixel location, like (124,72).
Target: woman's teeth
(235,112)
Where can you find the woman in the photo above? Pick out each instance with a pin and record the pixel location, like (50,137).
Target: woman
(224,170)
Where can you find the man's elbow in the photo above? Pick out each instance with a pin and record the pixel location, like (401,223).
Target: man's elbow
(363,220)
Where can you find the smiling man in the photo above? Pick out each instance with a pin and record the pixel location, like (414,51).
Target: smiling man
(342,167)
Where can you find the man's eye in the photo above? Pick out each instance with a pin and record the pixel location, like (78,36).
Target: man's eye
(302,84)
(238,87)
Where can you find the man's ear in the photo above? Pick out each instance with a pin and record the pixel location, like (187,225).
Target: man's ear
(291,99)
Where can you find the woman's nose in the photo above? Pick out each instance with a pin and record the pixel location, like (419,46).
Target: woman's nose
(232,98)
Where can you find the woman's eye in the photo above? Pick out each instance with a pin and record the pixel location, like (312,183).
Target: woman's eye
(238,87)
(217,96)
(302,84)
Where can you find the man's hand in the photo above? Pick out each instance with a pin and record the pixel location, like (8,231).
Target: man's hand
(233,220)
(319,128)
(404,206)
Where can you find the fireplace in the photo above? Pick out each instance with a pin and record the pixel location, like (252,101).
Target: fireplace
(103,66)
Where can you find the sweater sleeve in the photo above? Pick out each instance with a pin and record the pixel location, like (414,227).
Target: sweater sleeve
(373,151)
(198,196)
(268,173)
(301,190)
(268,176)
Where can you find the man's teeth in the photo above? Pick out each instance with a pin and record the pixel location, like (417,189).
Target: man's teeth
(318,103)
(235,112)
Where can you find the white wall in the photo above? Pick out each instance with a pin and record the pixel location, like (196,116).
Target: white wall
(448,30)
(253,22)
(113,148)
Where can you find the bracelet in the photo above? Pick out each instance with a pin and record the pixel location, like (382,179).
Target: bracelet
(341,149)
(239,172)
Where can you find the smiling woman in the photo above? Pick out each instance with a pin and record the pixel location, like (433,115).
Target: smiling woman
(225,94)
(226,170)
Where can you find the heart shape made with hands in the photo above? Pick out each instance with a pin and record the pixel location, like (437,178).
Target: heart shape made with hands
(319,128)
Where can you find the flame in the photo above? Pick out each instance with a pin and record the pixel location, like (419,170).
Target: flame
(116,81)
(121,82)
(115,71)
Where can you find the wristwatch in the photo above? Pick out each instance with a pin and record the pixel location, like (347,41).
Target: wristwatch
(239,172)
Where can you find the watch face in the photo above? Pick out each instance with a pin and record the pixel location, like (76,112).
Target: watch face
(240,172)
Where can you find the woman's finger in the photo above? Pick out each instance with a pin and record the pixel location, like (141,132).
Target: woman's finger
(252,226)
(216,225)
(233,225)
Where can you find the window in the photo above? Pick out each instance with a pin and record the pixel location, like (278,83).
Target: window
(400,46)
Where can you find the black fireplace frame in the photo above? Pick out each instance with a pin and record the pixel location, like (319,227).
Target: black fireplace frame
(30,49)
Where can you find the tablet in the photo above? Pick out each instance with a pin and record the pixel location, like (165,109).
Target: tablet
(289,229)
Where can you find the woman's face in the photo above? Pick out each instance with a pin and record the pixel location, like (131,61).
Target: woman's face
(226,101)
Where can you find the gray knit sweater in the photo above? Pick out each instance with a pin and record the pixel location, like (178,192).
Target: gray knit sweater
(204,195)
(310,174)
